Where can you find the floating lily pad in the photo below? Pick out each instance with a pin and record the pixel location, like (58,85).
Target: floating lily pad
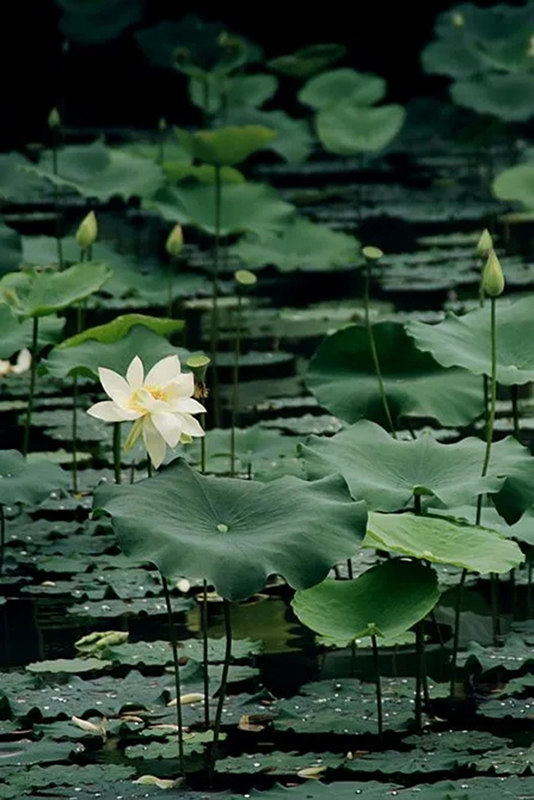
(443,541)
(513,656)
(159,653)
(245,207)
(141,606)
(25,751)
(387,473)
(301,245)
(465,341)
(95,170)
(21,482)
(193,743)
(341,375)
(385,601)
(74,666)
(38,778)
(206,524)
(279,763)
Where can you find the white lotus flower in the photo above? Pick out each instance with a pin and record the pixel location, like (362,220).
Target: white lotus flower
(22,364)
(160,405)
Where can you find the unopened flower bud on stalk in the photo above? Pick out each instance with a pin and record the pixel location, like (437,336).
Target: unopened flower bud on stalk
(485,243)
(493,276)
(175,241)
(54,120)
(87,231)
(162,124)
(458,20)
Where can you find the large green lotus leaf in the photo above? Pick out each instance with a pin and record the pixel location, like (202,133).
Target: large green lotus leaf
(386,472)
(39,294)
(516,183)
(249,91)
(98,21)
(342,85)
(16,333)
(95,170)
(225,146)
(346,129)
(17,182)
(235,533)
(443,541)
(120,326)
(509,97)
(86,358)
(465,341)
(253,207)
(517,495)
(21,482)
(308,60)
(301,244)
(450,57)
(293,141)
(384,601)
(10,249)
(341,375)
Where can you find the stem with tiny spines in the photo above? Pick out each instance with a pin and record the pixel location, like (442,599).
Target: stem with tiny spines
(376,665)
(117,452)
(222,687)
(31,393)
(2,537)
(374,353)
(235,392)
(177,683)
(214,328)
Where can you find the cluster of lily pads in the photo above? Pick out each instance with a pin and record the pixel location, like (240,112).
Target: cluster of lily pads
(174,507)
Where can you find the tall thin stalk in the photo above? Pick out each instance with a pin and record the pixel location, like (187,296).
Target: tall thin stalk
(222,687)
(214,327)
(419,673)
(2,537)
(376,667)
(117,451)
(75,433)
(205,652)
(514,392)
(31,393)
(374,353)
(177,683)
(235,381)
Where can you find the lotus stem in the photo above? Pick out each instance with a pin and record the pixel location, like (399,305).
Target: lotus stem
(59,242)
(117,451)
(214,332)
(419,676)
(235,388)
(205,652)
(456,639)
(2,537)
(177,686)
(514,392)
(222,688)
(169,286)
(417,509)
(350,571)
(374,353)
(376,666)
(529,588)
(75,433)
(31,393)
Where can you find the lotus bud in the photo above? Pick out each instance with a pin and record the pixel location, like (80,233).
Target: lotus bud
(493,276)
(162,125)
(372,253)
(530,51)
(175,241)
(87,231)
(485,243)
(458,20)
(54,120)
(245,278)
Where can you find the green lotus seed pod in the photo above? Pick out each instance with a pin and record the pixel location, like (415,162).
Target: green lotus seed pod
(198,364)
(175,241)
(87,231)
(493,276)
(485,243)
(372,253)
(245,278)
